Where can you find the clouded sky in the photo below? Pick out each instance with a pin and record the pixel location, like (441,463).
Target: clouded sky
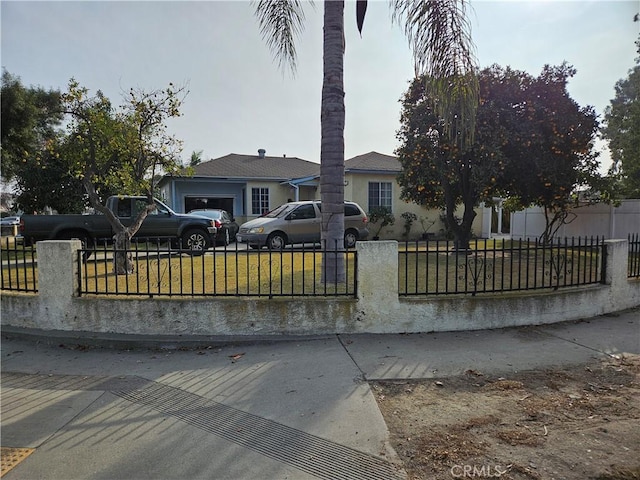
(240,100)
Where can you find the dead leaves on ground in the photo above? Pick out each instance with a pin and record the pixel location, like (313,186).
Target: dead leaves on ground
(478,419)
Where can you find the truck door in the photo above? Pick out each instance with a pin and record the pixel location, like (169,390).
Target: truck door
(159,222)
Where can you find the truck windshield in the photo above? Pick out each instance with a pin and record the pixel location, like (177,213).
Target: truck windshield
(161,207)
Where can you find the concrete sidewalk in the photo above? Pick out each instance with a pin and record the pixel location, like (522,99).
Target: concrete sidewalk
(284,410)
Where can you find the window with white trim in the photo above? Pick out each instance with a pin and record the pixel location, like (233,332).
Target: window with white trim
(379,195)
(259,200)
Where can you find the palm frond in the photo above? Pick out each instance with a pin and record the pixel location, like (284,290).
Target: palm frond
(281,22)
(439,34)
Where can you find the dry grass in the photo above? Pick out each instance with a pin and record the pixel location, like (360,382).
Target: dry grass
(621,474)
(19,270)
(493,266)
(233,273)
(423,268)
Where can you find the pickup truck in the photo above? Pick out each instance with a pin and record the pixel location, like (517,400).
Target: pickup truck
(194,233)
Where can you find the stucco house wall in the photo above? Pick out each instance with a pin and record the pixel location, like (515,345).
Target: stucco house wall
(370,169)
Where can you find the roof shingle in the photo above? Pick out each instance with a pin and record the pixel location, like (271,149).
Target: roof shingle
(287,168)
(252,166)
(373,161)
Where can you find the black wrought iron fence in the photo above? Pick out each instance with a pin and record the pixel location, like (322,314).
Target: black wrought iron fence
(633,270)
(19,266)
(162,270)
(435,268)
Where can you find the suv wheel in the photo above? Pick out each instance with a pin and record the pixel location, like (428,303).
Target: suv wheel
(350,238)
(276,241)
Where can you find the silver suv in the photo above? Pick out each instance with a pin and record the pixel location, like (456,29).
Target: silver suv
(300,222)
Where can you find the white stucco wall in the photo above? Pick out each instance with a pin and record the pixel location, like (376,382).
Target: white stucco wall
(377,309)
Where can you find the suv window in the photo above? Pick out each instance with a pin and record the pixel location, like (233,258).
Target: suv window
(351,210)
(280,211)
(304,212)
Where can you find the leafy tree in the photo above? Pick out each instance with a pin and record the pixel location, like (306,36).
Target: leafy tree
(104,150)
(438,33)
(552,141)
(381,217)
(437,171)
(121,150)
(622,129)
(31,119)
(196,158)
(532,142)
(35,153)
(45,181)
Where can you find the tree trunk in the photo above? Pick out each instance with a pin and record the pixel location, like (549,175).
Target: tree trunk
(332,119)
(461,231)
(554,219)
(463,236)
(122,261)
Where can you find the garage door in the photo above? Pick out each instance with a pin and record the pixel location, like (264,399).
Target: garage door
(224,203)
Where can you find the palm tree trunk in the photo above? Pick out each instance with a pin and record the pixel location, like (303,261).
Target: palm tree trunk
(332,118)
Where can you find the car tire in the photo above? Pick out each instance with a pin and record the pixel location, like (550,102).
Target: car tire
(196,241)
(276,241)
(350,238)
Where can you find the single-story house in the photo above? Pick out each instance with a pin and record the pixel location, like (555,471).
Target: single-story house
(249,185)
(245,185)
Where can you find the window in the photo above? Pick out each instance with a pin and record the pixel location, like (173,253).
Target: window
(379,194)
(304,212)
(259,201)
(124,207)
(351,210)
(140,204)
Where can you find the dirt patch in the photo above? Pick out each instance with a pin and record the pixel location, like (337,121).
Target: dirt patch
(581,422)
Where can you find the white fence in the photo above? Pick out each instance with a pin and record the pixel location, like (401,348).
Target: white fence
(601,220)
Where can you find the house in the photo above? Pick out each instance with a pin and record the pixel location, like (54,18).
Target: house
(370,181)
(249,185)
(245,185)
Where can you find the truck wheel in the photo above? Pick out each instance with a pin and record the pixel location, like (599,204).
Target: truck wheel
(87,241)
(276,241)
(350,238)
(196,241)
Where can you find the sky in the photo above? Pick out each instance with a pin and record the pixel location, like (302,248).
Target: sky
(240,100)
